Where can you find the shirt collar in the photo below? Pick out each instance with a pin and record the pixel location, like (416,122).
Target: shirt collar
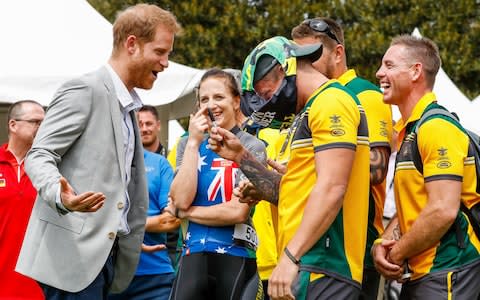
(347,77)
(128,100)
(417,112)
(8,156)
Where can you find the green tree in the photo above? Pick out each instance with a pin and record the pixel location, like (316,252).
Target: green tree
(222,32)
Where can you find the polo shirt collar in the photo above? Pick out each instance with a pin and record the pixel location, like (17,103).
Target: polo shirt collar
(347,77)
(417,112)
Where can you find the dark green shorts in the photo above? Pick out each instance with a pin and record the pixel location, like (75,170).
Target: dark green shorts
(461,283)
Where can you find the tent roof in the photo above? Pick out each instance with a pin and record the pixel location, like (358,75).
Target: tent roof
(50,42)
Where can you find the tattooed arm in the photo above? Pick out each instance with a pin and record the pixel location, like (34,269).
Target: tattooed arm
(381,250)
(379,157)
(266,182)
(228,146)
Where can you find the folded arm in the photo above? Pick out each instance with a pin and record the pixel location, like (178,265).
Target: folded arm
(227,213)
(433,221)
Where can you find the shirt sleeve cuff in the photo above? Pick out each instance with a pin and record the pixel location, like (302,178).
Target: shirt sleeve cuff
(58,202)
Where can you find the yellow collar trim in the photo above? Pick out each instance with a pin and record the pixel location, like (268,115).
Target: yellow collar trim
(348,76)
(417,112)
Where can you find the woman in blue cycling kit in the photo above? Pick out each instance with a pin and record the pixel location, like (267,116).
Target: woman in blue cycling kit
(218,258)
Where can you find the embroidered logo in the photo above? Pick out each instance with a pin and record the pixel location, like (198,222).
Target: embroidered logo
(336,126)
(383,128)
(442,151)
(335,119)
(443,160)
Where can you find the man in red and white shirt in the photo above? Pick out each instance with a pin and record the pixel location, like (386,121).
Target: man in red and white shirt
(17,196)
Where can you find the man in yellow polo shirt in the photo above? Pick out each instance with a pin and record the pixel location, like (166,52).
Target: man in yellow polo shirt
(430,235)
(327,179)
(333,64)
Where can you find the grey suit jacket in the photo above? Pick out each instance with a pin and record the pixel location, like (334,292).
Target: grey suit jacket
(81,139)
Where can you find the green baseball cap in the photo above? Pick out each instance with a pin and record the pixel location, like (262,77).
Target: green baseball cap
(269,53)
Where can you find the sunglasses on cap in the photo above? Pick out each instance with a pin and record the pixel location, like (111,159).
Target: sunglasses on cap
(321,26)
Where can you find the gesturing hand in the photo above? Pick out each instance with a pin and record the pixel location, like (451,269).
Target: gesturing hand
(225,144)
(85,202)
(247,193)
(280,168)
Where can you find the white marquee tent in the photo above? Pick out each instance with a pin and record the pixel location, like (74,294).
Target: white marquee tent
(47,42)
(476,105)
(50,41)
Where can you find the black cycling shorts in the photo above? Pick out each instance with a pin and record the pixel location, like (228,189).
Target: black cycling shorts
(216,276)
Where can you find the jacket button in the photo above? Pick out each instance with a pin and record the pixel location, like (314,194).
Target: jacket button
(111,235)
(120,205)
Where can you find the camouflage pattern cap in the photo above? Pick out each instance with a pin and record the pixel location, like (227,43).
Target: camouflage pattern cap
(278,50)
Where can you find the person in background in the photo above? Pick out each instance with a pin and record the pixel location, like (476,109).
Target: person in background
(155,274)
(218,259)
(86,229)
(333,64)
(17,195)
(149,126)
(430,244)
(389,209)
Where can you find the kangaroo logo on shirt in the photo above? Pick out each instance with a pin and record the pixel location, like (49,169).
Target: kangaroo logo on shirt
(224,181)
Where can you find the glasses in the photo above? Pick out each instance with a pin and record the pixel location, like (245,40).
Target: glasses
(321,26)
(33,122)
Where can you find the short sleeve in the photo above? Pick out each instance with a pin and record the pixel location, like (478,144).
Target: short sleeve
(333,119)
(443,148)
(379,118)
(166,178)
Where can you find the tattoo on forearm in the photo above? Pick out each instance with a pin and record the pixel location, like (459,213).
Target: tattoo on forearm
(396,232)
(378,164)
(265,181)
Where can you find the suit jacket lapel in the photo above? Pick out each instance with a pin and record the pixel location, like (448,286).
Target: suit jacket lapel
(117,119)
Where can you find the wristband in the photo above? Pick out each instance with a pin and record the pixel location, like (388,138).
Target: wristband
(291,257)
(375,243)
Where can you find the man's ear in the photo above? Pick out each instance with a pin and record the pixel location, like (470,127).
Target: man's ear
(12,125)
(417,70)
(339,52)
(131,44)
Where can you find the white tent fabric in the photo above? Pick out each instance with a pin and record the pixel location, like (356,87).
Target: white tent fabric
(452,98)
(476,107)
(51,41)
